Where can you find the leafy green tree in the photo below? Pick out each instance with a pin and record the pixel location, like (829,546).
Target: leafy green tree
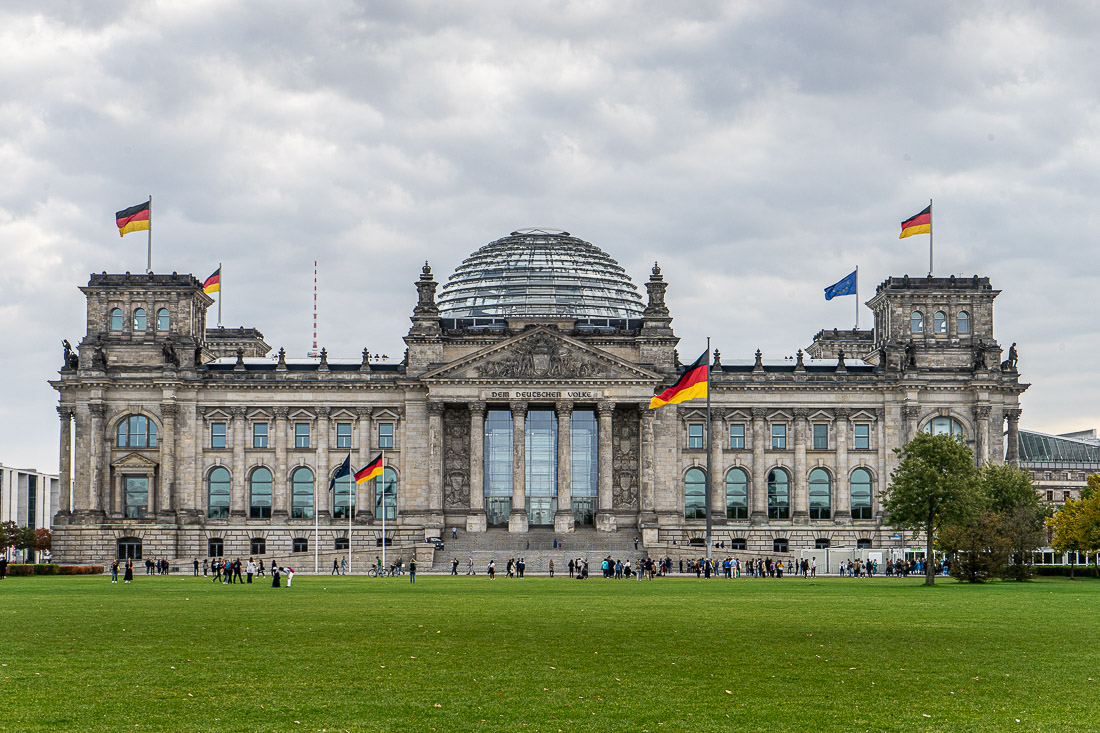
(1076,527)
(935,484)
(9,535)
(26,541)
(1019,514)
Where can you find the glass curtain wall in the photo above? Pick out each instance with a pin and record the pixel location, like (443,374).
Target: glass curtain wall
(584,447)
(540,432)
(498,466)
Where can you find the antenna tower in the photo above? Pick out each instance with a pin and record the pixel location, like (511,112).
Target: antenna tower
(314,352)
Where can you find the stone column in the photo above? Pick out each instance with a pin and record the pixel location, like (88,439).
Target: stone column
(475,519)
(237,492)
(801,503)
(882,452)
(364,493)
(517,520)
(97,488)
(910,414)
(280,499)
(65,461)
(646,472)
(167,500)
(981,418)
(759,502)
(717,481)
(1012,450)
(563,519)
(435,458)
(605,517)
(842,489)
(322,499)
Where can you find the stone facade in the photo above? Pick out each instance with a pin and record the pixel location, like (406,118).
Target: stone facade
(173,446)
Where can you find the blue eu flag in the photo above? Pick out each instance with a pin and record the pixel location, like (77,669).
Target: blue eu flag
(847,286)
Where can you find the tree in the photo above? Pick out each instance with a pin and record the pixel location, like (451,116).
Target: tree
(935,483)
(1020,516)
(9,535)
(26,542)
(1076,526)
(43,539)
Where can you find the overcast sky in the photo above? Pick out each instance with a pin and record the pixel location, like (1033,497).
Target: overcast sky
(758,151)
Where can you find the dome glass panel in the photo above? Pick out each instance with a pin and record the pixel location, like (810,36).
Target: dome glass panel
(538,272)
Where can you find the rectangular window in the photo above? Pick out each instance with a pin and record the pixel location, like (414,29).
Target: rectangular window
(695,435)
(301,435)
(1050,496)
(257,546)
(863,436)
(737,436)
(821,436)
(385,435)
(217,435)
(259,435)
(779,436)
(300,544)
(343,435)
(1065,496)
(32,500)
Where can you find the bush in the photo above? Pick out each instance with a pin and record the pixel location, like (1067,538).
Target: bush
(80,569)
(44,569)
(20,569)
(1063,571)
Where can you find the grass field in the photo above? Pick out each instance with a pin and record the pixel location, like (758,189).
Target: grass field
(357,654)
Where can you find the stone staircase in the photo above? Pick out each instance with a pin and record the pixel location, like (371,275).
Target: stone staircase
(537,548)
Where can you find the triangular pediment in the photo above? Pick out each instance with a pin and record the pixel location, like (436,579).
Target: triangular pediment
(134,461)
(541,354)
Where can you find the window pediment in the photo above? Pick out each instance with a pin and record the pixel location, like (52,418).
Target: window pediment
(134,462)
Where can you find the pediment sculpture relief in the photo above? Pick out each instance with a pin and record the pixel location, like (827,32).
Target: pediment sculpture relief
(541,356)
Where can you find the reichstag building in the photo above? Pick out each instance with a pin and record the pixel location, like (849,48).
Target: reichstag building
(519,407)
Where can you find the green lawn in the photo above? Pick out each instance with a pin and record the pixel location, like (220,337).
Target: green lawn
(333,654)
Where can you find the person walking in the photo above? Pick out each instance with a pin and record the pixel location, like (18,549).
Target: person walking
(260,569)
(551,567)
(412,570)
(335,567)
(470,566)
(571,567)
(129,570)
(492,570)
(454,566)
(343,565)
(205,566)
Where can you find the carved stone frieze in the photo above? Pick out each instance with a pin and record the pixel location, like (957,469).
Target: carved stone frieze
(541,356)
(456,457)
(624,458)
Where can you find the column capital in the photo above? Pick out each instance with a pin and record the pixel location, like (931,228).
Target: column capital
(563,407)
(982,412)
(605,407)
(364,413)
(1013,414)
(477,407)
(64,412)
(801,413)
(519,409)
(240,411)
(911,412)
(717,414)
(841,413)
(647,414)
(322,412)
(169,409)
(281,413)
(435,408)
(759,413)
(97,409)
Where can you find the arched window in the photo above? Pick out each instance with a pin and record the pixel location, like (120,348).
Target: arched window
(963,322)
(945,426)
(301,494)
(695,494)
(259,494)
(779,495)
(343,498)
(385,493)
(137,431)
(139,319)
(939,322)
(737,494)
(217,505)
(916,322)
(820,506)
(162,319)
(114,319)
(861,493)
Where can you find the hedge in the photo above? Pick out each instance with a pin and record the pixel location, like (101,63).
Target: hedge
(54,569)
(1079,571)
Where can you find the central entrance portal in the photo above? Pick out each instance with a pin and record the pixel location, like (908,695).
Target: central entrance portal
(541,470)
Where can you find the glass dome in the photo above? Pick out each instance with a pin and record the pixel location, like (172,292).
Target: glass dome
(540,272)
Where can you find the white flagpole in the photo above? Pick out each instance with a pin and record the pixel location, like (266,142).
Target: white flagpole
(353,489)
(709,437)
(221,293)
(857,297)
(316,537)
(149,258)
(930,227)
(383,483)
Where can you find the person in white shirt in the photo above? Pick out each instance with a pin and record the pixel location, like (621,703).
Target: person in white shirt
(289,575)
(250,569)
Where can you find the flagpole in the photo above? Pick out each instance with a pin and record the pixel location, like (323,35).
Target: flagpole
(709,438)
(857,297)
(353,489)
(930,226)
(220,291)
(149,254)
(383,482)
(316,538)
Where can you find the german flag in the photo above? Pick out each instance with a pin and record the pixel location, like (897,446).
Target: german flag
(919,224)
(132,219)
(691,385)
(369,471)
(213,284)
